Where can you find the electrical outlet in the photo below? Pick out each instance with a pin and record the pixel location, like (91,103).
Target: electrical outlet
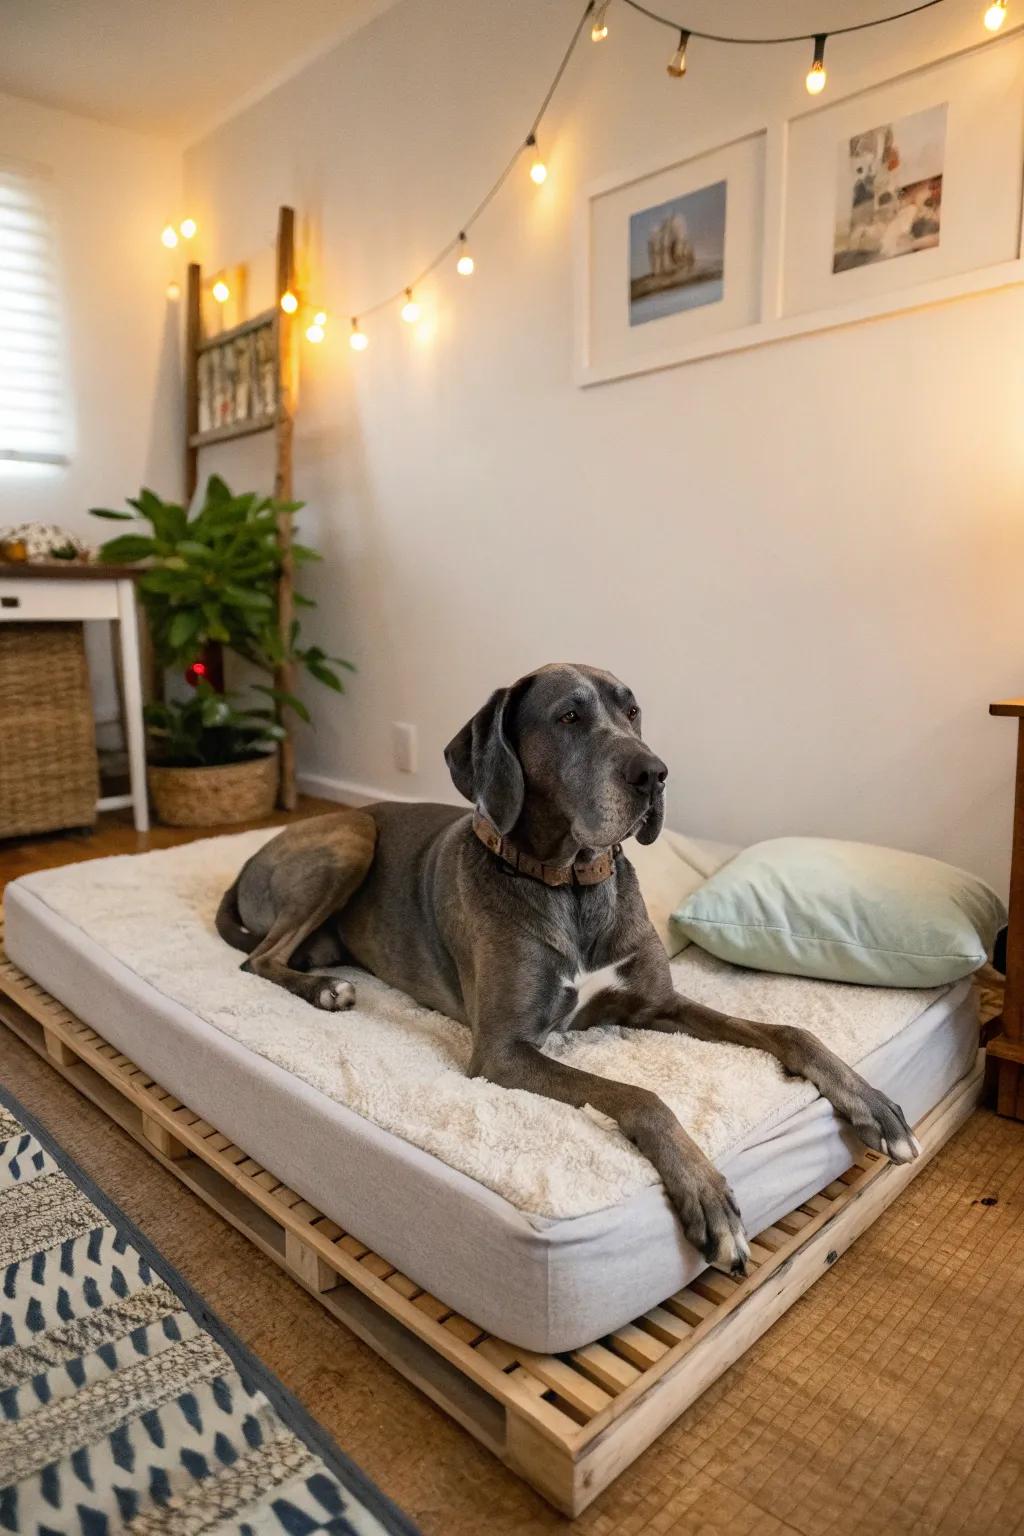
(404,746)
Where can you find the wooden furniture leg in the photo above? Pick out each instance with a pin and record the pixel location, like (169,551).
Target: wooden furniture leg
(128,640)
(1007,1047)
(284,489)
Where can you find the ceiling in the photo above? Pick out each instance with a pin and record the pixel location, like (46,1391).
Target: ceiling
(167,67)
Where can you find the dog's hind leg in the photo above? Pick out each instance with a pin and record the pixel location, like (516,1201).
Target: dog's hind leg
(308,887)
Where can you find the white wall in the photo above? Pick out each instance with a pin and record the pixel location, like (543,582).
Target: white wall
(806,559)
(113,190)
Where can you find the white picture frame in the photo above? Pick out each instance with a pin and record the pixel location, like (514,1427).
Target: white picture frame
(979,248)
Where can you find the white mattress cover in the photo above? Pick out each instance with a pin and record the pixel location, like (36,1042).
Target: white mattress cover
(542,1284)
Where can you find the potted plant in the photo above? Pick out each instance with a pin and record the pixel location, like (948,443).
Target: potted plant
(211,762)
(209,585)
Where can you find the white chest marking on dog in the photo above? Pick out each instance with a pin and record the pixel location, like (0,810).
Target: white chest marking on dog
(589,983)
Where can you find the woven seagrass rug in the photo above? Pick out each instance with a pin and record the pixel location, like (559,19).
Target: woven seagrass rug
(124,1404)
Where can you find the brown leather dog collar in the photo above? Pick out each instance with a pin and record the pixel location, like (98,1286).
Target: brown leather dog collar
(582,872)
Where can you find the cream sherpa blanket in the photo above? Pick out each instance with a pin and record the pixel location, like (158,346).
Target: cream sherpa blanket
(403,1067)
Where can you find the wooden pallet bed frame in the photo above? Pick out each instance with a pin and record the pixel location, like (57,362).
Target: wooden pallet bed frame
(567,1424)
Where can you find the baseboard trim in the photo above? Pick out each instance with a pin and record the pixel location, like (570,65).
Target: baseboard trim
(347,791)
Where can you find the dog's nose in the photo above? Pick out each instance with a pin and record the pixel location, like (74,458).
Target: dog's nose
(646,773)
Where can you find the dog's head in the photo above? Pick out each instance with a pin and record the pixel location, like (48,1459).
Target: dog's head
(565,742)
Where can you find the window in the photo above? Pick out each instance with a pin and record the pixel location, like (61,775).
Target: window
(33,422)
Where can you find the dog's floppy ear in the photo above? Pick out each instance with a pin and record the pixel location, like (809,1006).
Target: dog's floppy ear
(483,765)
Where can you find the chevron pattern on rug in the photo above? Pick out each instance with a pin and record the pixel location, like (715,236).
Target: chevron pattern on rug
(119,1409)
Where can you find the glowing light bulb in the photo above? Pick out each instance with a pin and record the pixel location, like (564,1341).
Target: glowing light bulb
(173,291)
(538,170)
(187,228)
(169,236)
(817,74)
(465,264)
(289,303)
(410,309)
(358,341)
(320,318)
(316,333)
(677,63)
(599,30)
(995,16)
(221,291)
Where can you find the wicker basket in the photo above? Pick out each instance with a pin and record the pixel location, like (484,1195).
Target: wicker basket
(215,797)
(49,775)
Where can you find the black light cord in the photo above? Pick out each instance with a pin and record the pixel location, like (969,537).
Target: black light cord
(485,202)
(793,37)
(684,33)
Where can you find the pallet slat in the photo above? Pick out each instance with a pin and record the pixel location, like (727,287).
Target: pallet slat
(664,1326)
(577,1390)
(636,1346)
(609,1371)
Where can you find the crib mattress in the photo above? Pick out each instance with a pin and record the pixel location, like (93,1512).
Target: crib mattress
(545,1282)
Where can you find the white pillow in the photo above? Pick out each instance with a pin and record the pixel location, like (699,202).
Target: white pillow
(840,911)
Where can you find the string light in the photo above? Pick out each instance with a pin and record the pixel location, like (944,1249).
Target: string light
(817,75)
(187,228)
(410,309)
(358,341)
(221,291)
(538,170)
(320,318)
(289,303)
(173,291)
(594,15)
(677,63)
(465,264)
(169,236)
(995,16)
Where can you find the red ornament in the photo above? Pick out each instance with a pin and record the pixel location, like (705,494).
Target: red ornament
(195,673)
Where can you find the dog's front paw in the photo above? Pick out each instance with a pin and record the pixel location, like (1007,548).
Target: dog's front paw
(881,1124)
(711,1220)
(333,995)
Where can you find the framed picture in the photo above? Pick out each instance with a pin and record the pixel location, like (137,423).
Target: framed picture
(905,194)
(889,190)
(237,378)
(670,259)
(677,255)
(909,192)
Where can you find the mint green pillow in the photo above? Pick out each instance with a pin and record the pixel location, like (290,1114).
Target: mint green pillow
(809,906)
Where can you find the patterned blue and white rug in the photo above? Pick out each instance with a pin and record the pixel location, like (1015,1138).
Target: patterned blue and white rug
(124,1404)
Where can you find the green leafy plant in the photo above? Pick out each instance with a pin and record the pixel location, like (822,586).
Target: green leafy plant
(211,578)
(207,729)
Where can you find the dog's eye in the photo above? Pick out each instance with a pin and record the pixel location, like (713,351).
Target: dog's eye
(632,711)
(569,718)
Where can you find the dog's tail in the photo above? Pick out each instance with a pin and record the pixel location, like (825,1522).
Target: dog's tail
(229,922)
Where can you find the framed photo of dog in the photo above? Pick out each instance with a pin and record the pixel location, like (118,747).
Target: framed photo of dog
(905,194)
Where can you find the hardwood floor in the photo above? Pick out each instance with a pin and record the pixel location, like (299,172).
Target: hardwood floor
(114,833)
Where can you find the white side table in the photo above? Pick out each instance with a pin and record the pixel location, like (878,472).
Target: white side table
(62,593)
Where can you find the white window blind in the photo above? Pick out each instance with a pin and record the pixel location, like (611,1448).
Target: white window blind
(33,420)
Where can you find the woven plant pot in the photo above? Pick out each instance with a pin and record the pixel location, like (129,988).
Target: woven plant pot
(215,797)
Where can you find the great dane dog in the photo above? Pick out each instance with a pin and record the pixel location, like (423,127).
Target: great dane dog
(506,918)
